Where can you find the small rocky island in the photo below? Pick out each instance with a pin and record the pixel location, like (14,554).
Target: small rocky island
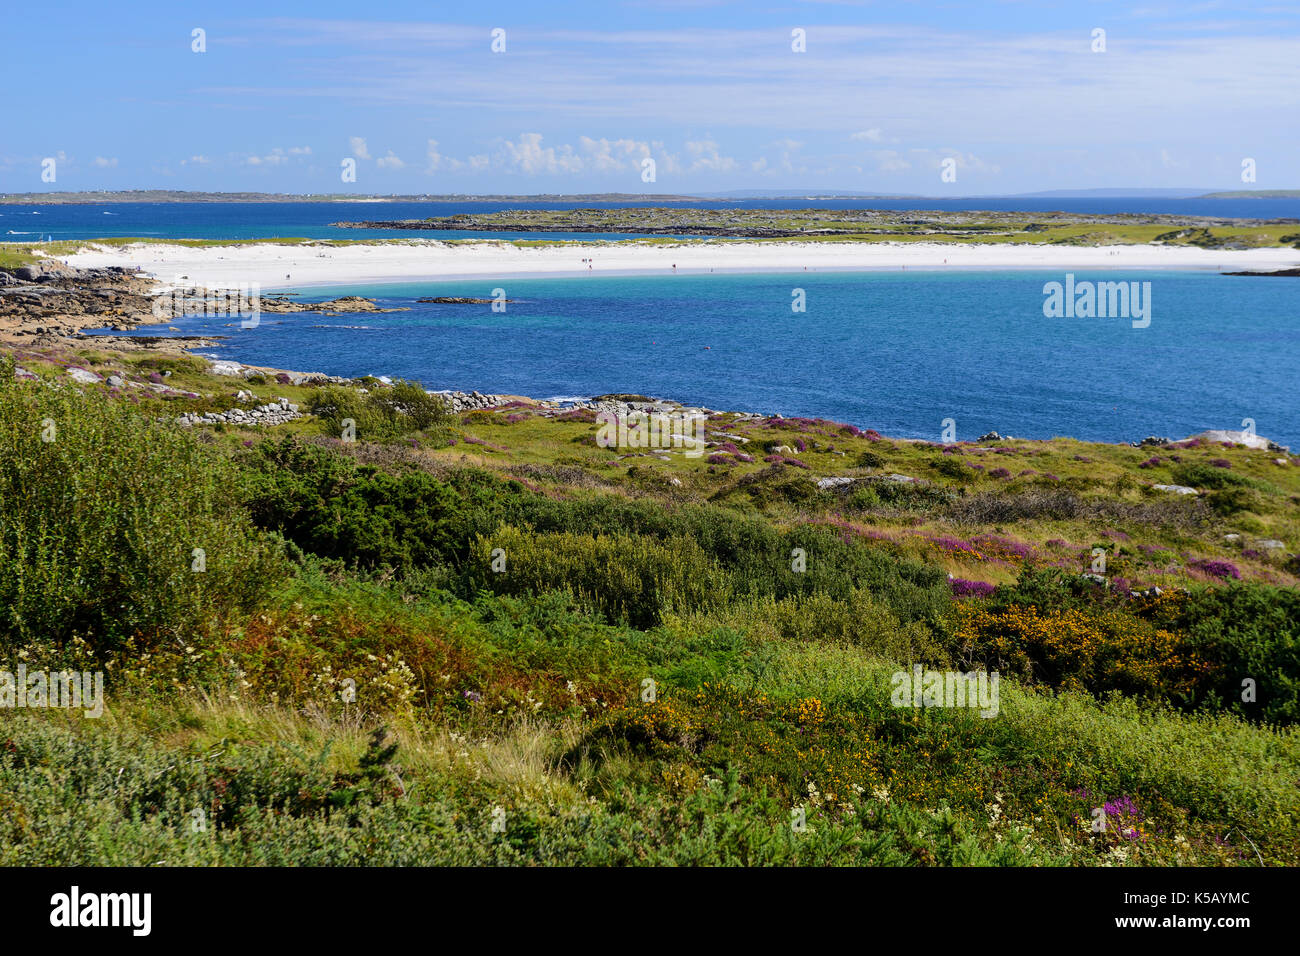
(348,303)
(462,300)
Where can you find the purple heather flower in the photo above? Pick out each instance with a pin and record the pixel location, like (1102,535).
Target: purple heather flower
(1217,569)
(962,588)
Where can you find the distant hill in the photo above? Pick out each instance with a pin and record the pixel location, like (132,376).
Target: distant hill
(807,194)
(1256,194)
(1117,193)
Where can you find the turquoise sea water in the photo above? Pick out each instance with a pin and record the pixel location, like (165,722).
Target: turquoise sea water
(897,352)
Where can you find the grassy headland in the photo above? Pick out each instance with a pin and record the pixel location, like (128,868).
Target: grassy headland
(355,676)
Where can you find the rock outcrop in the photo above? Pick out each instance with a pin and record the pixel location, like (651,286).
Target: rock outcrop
(50,298)
(348,303)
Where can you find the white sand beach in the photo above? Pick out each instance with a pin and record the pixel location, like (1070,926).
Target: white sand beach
(278,266)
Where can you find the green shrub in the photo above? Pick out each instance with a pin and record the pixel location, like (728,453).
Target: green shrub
(638,578)
(624,577)
(951,467)
(101,511)
(327,505)
(1206,476)
(382,414)
(864,498)
(1233,501)
(1245,631)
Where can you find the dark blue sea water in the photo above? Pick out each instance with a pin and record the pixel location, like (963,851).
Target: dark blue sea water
(898,352)
(312,220)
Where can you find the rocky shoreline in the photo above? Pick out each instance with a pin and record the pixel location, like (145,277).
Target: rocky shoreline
(48,302)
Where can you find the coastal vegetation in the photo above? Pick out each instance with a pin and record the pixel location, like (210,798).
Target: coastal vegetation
(482,638)
(874,225)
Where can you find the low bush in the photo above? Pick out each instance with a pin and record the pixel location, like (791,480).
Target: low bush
(379,415)
(116,527)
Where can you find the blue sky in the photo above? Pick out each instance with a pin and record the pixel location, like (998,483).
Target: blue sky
(712,91)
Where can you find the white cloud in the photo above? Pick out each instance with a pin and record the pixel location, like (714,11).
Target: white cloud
(196,161)
(868,135)
(103,163)
(359,148)
(786,149)
(707,157)
(618,154)
(389,161)
(665,161)
(966,161)
(528,156)
(890,161)
(278,156)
